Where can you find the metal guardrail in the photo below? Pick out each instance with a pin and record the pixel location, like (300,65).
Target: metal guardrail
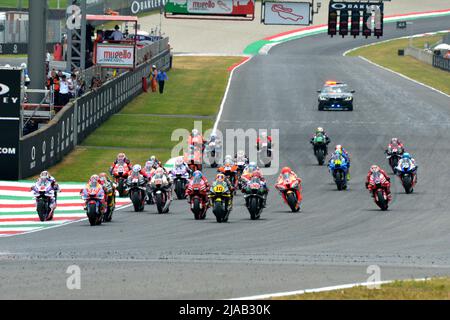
(150,51)
(441,63)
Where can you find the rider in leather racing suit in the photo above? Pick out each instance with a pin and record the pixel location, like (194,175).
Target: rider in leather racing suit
(375,168)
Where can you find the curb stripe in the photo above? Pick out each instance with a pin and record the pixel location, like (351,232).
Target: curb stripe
(236,65)
(14,188)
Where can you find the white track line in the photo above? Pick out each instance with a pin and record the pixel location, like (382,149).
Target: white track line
(57,226)
(324,289)
(405,77)
(219,115)
(389,40)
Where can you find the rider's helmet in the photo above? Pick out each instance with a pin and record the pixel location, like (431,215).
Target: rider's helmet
(264,135)
(212,137)
(406,155)
(194,132)
(319,130)
(394,141)
(286,170)
(137,168)
(228,157)
(240,154)
(94,180)
(197,174)
(121,156)
(159,171)
(228,162)
(44,175)
(338,148)
(153,158)
(374,168)
(220,177)
(148,165)
(179,161)
(103,178)
(252,166)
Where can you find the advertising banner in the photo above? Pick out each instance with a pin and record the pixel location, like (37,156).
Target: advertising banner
(10,100)
(115,55)
(211,7)
(287,13)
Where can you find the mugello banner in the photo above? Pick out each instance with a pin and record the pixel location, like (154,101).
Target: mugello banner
(115,55)
(211,7)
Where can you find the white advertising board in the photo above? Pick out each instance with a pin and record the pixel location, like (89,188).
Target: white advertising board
(287,13)
(115,55)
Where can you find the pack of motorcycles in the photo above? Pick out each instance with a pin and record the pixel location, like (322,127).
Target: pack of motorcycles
(158,192)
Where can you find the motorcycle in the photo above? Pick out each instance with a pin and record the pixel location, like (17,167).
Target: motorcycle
(148,189)
(159,193)
(110,203)
(198,199)
(180,178)
(339,169)
(44,194)
(254,197)
(220,195)
(394,154)
(407,176)
(194,160)
(231,174)
(136,190)
(93,196)
(379,192)
(288,191)
(120,174)
(265,152)
(213,152)
(241,162)
(320,148)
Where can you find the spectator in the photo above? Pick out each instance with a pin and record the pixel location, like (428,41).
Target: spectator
(55,84)
(96,82)
(116,35)
(63,91)
(153,77)
(161,77)
(73,86)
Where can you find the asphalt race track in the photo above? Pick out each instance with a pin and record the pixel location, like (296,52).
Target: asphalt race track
(332,241)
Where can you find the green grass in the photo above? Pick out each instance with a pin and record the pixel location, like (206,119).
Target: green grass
(14,3)
(386,55)
(191,89)
(434,289)
(136,131)
(13,56)
(81,163)
(139,133)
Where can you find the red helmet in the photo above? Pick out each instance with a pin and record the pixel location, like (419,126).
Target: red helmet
(256,174)
(286,170)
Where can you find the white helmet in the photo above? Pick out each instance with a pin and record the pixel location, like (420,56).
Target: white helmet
(194,132)
(23,65)
(179,161)
(137,168)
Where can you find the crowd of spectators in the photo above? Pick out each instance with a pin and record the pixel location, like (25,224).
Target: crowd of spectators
(65,86)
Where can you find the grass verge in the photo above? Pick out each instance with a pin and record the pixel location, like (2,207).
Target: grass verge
(385,54)
(434,289)
(192,91)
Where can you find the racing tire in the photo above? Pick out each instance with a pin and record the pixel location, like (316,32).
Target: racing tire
(42,210)
(92,214)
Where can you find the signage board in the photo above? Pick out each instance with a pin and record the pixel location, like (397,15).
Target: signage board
(287,13)
(115,55)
